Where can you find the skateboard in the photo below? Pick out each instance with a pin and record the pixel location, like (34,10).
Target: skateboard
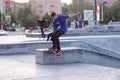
(53,52)
(59,54)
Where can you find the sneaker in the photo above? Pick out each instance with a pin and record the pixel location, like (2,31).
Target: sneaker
(52,49)
(58,52)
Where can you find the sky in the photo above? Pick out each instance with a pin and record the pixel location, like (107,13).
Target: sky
(21,1)
(67,1)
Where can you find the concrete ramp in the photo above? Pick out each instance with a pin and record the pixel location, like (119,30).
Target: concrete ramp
(108,43)
(90,47)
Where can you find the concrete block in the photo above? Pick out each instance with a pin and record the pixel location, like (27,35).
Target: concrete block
(68,55)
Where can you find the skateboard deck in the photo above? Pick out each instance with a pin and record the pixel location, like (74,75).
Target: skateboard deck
(53,52)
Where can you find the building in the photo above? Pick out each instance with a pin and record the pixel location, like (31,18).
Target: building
(9,5)
(2,6)
(41,7)
(64,4)
(19,5)
(14,6)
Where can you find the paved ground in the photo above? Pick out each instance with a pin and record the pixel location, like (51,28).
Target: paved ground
(23,67)
(23,38)
(15,39)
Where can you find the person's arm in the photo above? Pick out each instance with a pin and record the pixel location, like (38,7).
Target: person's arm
(51,25)
(75,14)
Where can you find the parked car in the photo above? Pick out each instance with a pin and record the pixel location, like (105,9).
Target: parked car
(4,33)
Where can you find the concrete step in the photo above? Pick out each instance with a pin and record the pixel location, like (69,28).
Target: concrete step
(76,55)
(67,34)
(77,34)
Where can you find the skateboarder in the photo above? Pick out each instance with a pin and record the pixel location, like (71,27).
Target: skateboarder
(61,19)
(55,27)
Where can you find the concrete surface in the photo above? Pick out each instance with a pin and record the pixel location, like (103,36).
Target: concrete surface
(37,35)
(67,34)
(23,67)
(102,28)
(76,55)
(68,55)
(28,45)
(109,43)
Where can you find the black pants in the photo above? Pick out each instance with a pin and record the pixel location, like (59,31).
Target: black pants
(48,36)
(55,38)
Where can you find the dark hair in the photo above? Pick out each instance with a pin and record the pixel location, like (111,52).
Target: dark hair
(53,14)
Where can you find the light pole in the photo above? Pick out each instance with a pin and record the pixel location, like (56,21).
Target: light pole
(102,12)
(95,14)
(102,9)
(2,11)
(78,9)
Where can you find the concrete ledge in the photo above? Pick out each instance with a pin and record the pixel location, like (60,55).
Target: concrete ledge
(43,57)
(114,23)
(30,48)
(76,55)
(99,59)
(27,47)
(96,31)
(67,34)
(22,48)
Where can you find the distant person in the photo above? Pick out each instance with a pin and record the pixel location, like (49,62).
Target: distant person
(76,25)
(30,30)
(72,24)
(80,23)
(61,19)
(41,21)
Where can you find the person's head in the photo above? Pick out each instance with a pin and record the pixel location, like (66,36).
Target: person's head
(53,15)
(40,18)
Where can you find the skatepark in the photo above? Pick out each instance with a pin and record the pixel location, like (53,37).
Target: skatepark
(84,57)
